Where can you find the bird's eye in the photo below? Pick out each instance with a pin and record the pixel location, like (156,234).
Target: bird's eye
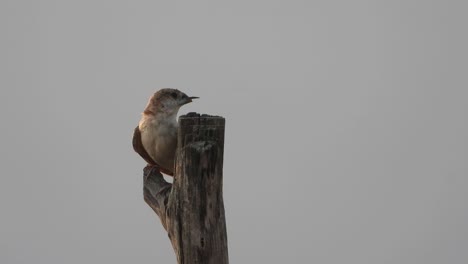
(174,95)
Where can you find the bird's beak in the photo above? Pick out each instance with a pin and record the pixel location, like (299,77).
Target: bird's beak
(189,99)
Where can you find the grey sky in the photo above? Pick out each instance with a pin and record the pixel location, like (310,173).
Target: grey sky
(346,136)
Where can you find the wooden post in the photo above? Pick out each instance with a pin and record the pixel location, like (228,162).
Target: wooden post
(192,208)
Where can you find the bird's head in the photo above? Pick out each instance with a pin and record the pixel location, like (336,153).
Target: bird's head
(167,101)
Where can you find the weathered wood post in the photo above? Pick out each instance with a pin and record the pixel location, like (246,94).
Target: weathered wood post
(192,208)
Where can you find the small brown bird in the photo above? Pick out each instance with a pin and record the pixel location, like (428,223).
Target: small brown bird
(155,137)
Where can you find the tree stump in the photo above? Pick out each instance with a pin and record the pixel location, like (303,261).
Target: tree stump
(192,208)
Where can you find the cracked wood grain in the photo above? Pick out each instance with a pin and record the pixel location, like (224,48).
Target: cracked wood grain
(192,208)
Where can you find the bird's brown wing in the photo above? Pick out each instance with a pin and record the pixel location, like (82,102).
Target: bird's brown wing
(140,149)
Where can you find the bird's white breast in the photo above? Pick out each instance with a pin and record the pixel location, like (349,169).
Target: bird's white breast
(159,137)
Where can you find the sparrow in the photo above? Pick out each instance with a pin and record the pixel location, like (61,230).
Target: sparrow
(155,137)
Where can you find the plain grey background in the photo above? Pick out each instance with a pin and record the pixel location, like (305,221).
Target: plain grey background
(346,135)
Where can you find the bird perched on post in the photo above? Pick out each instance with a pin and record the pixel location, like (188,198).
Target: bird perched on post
(155,137)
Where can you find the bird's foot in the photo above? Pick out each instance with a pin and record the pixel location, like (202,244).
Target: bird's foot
(151,170)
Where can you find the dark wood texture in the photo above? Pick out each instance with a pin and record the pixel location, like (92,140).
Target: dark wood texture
(192,208)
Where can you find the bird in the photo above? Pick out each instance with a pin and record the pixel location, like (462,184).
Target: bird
(155,137)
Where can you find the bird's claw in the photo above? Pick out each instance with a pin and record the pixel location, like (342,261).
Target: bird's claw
(151,169)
